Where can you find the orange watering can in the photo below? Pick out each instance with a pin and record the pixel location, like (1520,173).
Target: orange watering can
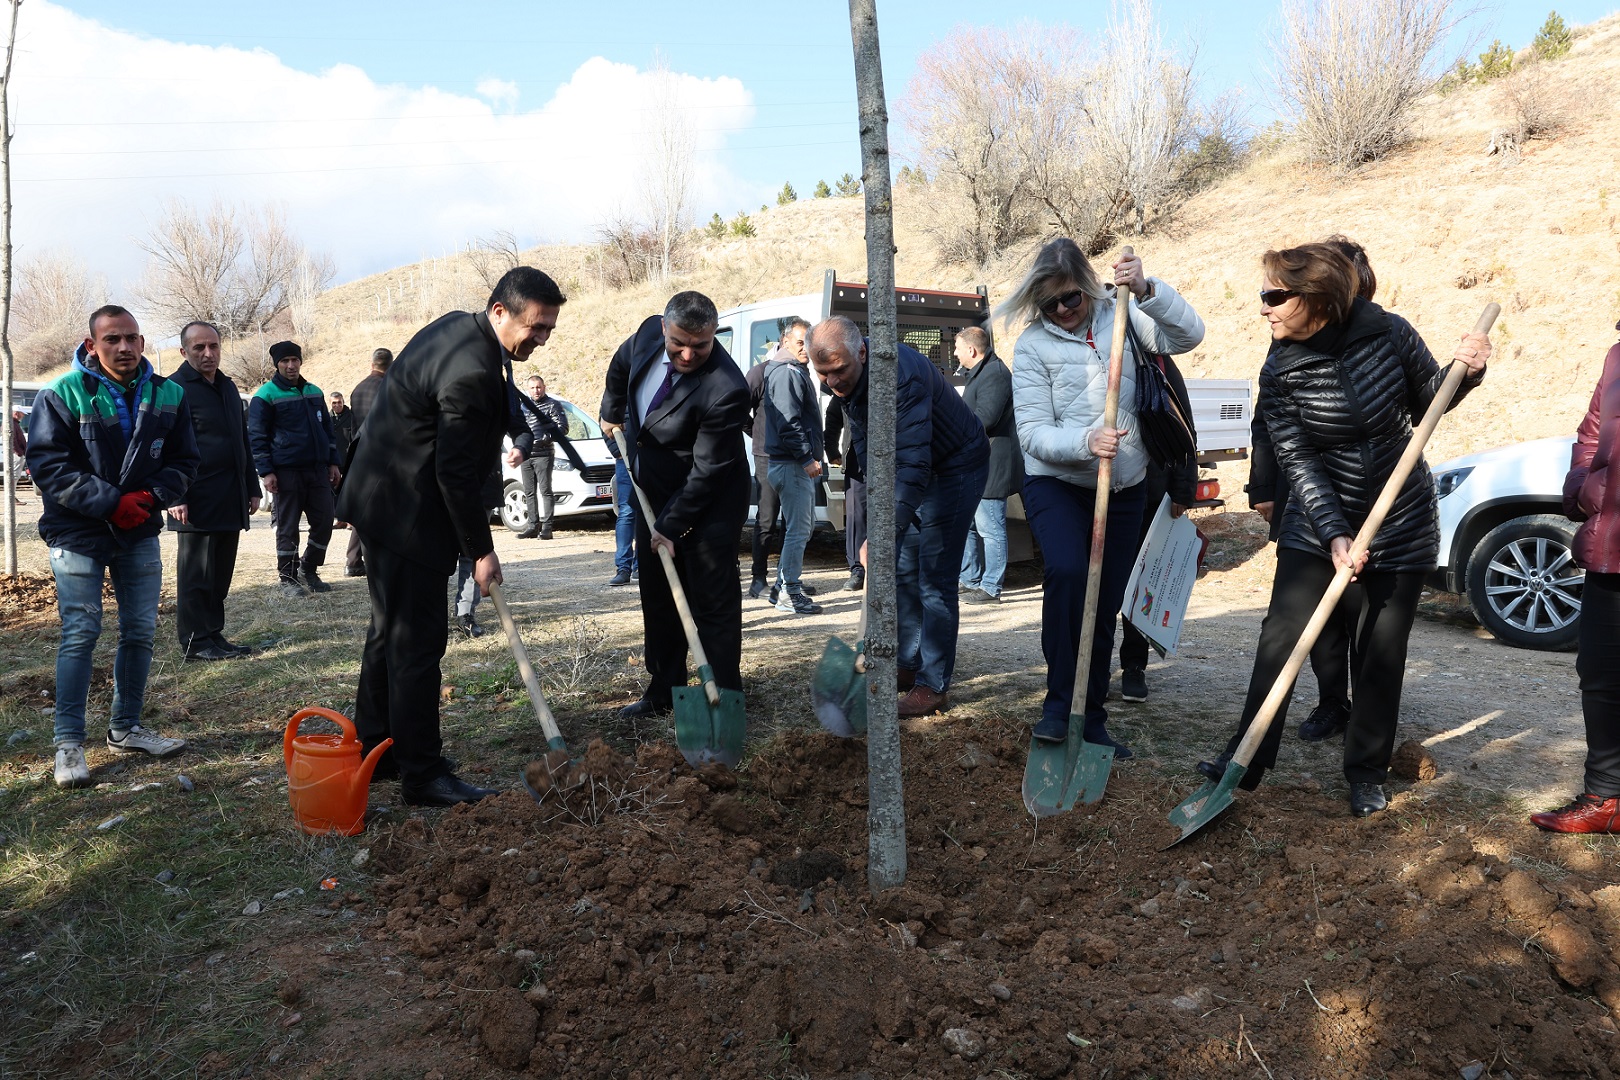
(327,782)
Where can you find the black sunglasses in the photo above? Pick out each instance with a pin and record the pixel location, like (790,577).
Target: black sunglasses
(1276,297)
(1068,300)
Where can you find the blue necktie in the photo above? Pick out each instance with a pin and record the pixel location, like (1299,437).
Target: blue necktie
(663,388)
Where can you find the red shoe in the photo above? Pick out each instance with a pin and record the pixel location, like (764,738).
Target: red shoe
(904,679)
(922,701)
(1586,814)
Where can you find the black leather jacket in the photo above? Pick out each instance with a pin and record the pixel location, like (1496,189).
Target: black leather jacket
(1340,409)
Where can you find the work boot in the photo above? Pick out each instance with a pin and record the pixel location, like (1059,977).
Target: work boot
(856,580)
(923,701)
(545,532)
(1583,814)
(1133,684)
(313,581)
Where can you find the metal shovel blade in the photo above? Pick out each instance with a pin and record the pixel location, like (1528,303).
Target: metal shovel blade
(707,732)
(838,690)
(1058,775)
(1205,805)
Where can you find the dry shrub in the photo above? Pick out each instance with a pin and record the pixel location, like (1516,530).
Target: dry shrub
(1529,106)
(634,253)
(1350,71)
(53,296)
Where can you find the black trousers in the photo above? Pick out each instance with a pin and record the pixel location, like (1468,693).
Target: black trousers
(536,473)
(706,561)
(306,492)
(1379,608)
(768,519)
(202,576)
(398,695)
(854,520)
(1598,665)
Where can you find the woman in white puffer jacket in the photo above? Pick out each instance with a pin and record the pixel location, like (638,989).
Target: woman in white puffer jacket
(1060,382)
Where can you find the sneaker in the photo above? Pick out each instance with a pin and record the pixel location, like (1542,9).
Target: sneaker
(467,625)
(1133,684)
(314,583)
(856,580)
(620,577)
(1325,722)
(979,596)
(71,771)
(1584,814)
(138,740)
(796,603)
(755,588)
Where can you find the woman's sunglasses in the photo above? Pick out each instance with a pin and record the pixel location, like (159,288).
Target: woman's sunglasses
(1068,300)
(1276,297)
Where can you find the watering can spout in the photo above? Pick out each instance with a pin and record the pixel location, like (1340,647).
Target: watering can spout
(362,776)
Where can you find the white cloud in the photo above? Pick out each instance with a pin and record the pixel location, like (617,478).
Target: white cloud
(110,124)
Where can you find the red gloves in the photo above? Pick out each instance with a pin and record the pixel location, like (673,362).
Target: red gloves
(133,508)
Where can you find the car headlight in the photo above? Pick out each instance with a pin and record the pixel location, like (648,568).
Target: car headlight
(563,465)
(1450,481)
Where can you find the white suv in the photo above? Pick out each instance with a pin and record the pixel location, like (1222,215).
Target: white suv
(575,492)
(1505,542)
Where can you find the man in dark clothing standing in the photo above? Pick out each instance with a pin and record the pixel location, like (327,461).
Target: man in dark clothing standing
(767,510)
(360,402)
(344,425)
(546,421)
(223,496)
(793,448)
(835,439)
(295,453)
(413,494)
(683,406)
(941,457)
(988,392)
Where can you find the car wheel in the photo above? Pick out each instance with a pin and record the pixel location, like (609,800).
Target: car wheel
(1524,585)
(514,511)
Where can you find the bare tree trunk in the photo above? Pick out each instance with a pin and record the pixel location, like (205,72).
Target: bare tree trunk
(6,363)
(886,851)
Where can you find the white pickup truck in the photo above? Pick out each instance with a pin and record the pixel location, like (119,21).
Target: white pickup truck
(929,321)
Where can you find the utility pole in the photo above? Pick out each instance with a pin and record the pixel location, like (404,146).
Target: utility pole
(886,808)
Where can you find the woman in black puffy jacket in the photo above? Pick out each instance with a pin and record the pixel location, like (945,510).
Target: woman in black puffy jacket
(1341,388)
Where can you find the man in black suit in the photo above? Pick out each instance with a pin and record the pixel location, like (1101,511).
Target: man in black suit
(683,406)
(218,503)
(360,402)
(413,494)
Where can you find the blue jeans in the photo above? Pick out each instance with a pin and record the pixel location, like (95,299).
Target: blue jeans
(930,561)
(1060,516)
(624,529)
(984,558)
(137,575)
(796,494)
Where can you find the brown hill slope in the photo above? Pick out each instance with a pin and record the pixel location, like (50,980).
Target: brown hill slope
(1448,228)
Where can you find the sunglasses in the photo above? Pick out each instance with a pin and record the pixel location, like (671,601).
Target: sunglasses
(1068,300)
(1276,297)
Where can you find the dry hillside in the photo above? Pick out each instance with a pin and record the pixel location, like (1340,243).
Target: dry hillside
(1448,229)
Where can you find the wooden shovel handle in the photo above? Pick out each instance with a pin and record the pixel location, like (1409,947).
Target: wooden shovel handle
(688,623)
(542,711)
(1099,517)
(1369,529)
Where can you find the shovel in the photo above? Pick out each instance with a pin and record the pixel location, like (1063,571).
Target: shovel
(1057,775)
(838,689)
(1206,804)
(709,722)
(542,711)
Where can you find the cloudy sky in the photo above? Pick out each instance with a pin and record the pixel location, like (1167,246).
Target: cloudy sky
(389,131)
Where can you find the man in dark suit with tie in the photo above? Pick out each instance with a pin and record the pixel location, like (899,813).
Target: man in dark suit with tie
(412,493)
(683,406)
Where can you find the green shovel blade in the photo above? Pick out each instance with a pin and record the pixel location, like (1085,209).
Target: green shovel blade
(1059,775)
(706,733)
(838,690)
(1205,805)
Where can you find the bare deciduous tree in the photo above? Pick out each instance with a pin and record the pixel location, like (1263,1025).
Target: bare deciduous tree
(309,278)
(666,172)
(8,517)
(236,268)
(1349,72)
(51,296)
(492,256)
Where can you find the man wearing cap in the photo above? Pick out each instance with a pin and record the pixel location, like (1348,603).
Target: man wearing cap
(295,455)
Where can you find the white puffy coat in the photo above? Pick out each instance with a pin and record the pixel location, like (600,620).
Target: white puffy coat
(1060,385)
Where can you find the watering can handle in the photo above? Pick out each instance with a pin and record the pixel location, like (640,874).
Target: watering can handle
(349,734)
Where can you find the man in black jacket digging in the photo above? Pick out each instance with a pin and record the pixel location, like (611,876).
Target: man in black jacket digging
(413,495)
(683,406)
(219,502)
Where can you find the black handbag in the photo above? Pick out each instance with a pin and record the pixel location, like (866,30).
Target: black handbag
(1166,431)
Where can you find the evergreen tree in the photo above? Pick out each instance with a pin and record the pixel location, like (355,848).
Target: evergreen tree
(848,186)
(786,195)
(741,226)
(717,227)
(822,190)
(1553,39)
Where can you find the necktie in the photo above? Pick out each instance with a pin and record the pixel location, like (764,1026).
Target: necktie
(663,388)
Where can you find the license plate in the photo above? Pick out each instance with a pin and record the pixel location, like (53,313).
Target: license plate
(604,491)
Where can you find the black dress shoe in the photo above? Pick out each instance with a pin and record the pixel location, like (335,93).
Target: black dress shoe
(468,625)
(232,647)
(443,791)
(1367,799)
(1213,771)
(644,709)
(856,580)
(209,651)
(387,767)
(354,571)
(1325,722)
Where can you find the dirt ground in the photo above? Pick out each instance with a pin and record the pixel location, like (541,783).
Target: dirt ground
(657,923)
